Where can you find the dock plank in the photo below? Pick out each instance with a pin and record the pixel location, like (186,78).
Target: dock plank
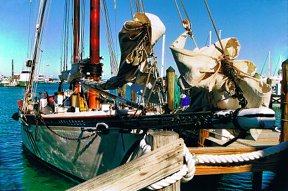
(140,172)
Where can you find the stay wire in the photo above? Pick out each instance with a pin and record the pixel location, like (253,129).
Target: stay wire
(113,60)
(82,35)
(214,26)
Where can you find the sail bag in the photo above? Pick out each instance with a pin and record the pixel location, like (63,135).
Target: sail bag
(201,71)
(136,39)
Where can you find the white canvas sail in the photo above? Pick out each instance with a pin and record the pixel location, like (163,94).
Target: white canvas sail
(202,68)
(136,39)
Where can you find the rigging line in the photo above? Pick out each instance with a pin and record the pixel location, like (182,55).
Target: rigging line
(137,5)
(142,5)
(264,65)
(113,61)
(38,38)
(185,21)
(62,40)
(115,29)
(279,61)
(178,10)
(29,30)
(39,60)
(71,44)
(214,26)
(82,51)
(183,6)
(65,31)
(131,8)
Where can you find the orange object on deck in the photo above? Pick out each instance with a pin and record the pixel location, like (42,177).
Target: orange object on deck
(94,102)
(77,88)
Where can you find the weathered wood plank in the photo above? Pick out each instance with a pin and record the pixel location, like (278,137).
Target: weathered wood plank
(140,172)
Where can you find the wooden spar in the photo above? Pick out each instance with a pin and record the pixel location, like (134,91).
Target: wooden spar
(76,37)
(94,102)
(94,31)
(114,97)
(39,26)
(284,102)
(76,29)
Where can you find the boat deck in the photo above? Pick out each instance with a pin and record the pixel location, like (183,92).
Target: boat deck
(266,138)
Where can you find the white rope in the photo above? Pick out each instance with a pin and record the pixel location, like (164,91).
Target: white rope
(235,158)
(144,146)
(187,172)
(169,180)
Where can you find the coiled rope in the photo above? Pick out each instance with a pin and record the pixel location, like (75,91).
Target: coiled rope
(187,172)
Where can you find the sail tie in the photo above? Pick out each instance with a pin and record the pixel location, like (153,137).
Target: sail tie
(185,22)
(227,66)
(229,71)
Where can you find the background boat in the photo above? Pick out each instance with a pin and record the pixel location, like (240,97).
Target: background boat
(24,77)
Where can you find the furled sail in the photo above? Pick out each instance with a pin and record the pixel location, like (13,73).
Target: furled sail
(202,70)
(136,39)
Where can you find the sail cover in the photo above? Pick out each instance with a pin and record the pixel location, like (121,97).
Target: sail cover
(201,71)
(136,39)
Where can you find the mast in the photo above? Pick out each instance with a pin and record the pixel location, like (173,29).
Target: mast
(12,69)
(94,31)
(94,102)
(270,65)
(39,25)
(163,56)
(210,37)
(76,31)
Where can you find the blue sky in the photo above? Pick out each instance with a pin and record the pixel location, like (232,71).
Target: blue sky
(260,26)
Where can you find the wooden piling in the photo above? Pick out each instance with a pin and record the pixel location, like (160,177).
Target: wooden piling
(170,72)
(257,181)
(133,96)
(284,102)
(123,91)
(159,139)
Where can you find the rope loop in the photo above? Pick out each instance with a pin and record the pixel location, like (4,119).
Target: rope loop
(187,172)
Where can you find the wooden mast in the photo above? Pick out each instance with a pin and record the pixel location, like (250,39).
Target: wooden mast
(76,29)
(76,37)
(40,21)
(94,102)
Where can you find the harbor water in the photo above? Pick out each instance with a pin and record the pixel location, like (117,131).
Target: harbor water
(19,172)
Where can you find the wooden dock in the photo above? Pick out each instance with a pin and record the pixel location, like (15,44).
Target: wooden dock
(167,157)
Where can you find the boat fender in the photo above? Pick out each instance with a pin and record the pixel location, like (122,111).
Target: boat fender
(235,118)
(102,128)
